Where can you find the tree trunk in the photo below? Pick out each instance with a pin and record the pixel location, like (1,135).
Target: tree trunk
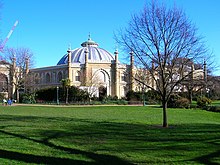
(17,96)
(165,123)
(67,93)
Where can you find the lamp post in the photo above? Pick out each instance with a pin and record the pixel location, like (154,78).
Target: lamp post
(143,95)
(57,95)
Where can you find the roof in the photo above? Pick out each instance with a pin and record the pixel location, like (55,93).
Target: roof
(95,54)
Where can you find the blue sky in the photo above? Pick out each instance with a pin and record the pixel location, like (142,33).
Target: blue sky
(47,27)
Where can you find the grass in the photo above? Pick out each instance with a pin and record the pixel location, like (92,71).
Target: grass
(107,135)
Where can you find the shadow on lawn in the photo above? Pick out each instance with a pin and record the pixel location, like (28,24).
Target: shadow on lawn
(28,158)
(113,137)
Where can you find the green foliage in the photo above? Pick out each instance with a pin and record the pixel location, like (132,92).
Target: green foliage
(46,95)
(2,96)
(28,98)
(182,103)
(203,102)
(213,108)
(77,95)
(176,101)
(50,94)
(134,96)
(172,101)
(151,96)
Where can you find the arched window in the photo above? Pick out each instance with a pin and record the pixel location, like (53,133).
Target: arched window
(77,78)
(123,91)
(3,83)
(59,77)
(100,76)
(123,76)
(48,78)
(37,79)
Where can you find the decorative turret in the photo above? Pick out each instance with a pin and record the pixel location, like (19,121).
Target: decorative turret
(86,66)
(116,56)
(116,77)
(69,64)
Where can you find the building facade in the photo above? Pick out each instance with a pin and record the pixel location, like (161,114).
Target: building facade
(90,68)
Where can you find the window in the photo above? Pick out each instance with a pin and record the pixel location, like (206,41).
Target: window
(37,79)
(3,83)
(123,77)
(48,78)
(77,78)
(59,77)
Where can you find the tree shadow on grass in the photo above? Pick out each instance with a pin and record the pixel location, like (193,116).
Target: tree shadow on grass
(97,159)
(126,137)
(28,158)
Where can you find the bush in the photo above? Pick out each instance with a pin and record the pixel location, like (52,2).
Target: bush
(213,108)
(176,101)
(151,96)
(2,96)
(203,102)
(28,98)
(182,103)
(172,101)
(134,96)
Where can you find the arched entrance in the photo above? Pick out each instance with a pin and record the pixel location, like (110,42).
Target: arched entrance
(101,80)
(102,92)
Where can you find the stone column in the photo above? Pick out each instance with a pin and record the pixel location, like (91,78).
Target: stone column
(116,75)
(86,67)
(70,77)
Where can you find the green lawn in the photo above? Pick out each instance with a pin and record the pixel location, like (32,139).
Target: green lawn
(107,135)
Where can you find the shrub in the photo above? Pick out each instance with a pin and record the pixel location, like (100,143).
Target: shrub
(134,96)
(213,109)
(203,102)
(182,103)
(172,101)
(28,98)
(2,96)
(176,101)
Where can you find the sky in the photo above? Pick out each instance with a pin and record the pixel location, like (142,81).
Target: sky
(48,27)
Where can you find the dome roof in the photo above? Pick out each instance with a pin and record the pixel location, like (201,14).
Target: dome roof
(95,54)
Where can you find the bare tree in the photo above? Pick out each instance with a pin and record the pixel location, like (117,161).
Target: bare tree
(165,43)
(92,84)
(21,59)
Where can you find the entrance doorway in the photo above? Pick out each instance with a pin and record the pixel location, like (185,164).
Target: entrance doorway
(102,93)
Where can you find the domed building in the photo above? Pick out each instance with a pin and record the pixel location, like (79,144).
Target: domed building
(90,68)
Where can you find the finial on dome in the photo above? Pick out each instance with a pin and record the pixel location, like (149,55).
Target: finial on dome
(116,47)
(89,39)
(69,47)
(89,42)
(116,51)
